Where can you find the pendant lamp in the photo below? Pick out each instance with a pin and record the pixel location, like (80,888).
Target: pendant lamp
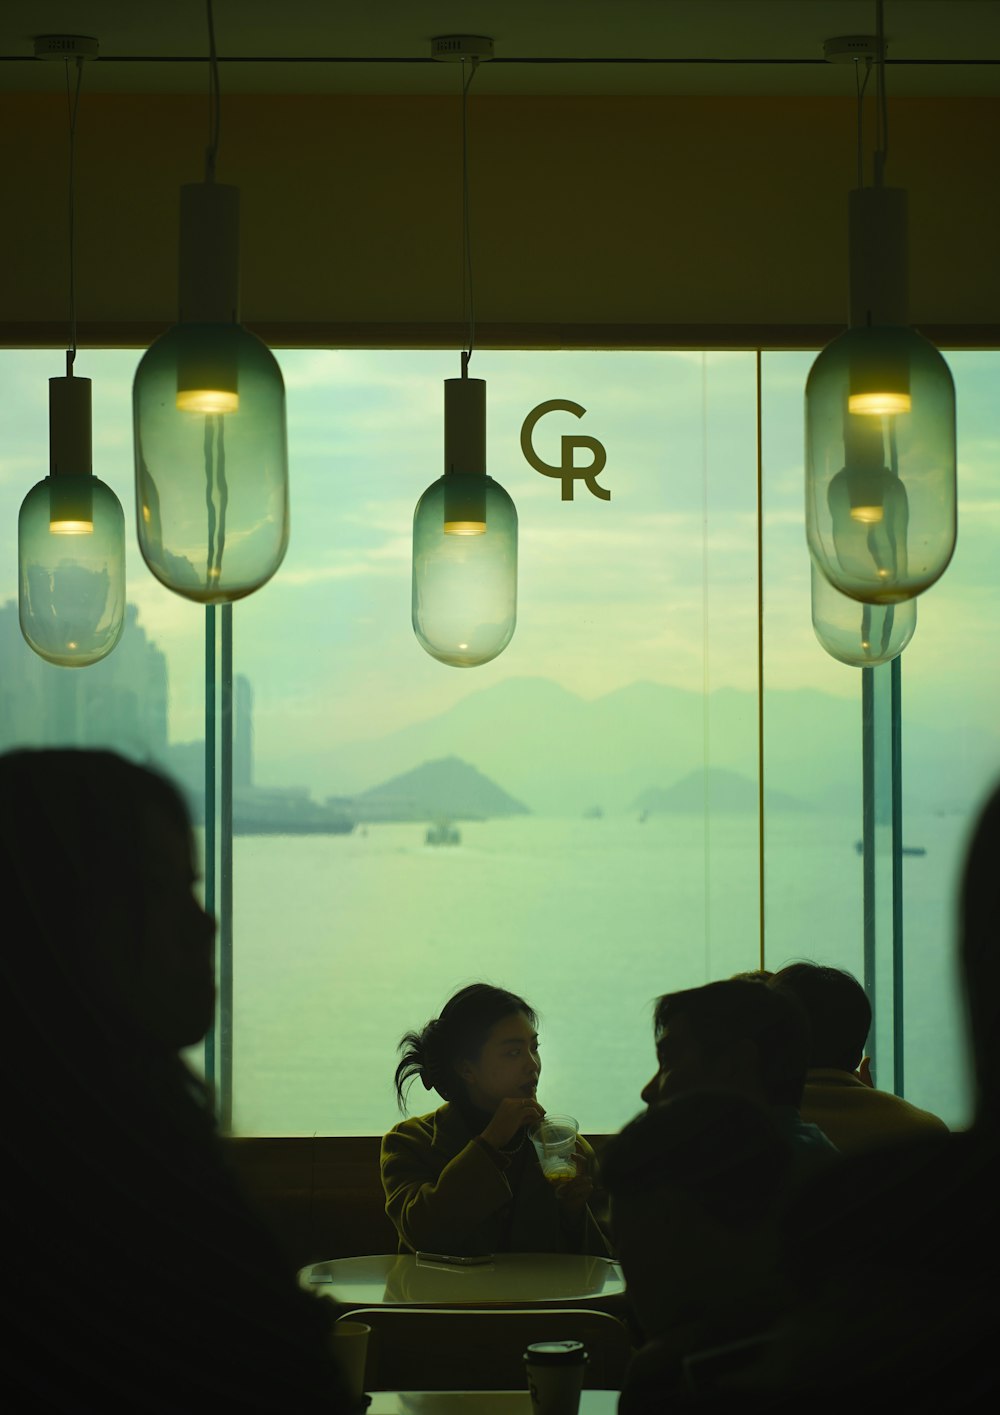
(464,543)
(71,529)
(880,419)
(860,635)
(464,602)
(211,461)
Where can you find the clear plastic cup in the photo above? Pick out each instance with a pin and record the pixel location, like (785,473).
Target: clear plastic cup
(554,1139)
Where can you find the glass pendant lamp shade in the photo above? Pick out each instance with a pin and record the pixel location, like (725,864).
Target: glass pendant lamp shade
(71,544)
(880,483)
(880,429)
(465,544)
(211,462)
(209,426)
(862,635)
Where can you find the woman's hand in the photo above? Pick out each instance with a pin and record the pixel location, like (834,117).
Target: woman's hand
(512,1114)
(574,1194)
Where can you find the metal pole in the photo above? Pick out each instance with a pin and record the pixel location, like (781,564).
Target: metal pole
(226,876)
(209,808)
(761,878)
(897,878)
(868,842)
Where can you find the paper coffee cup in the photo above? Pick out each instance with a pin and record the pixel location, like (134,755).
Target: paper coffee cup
(555,1376)
(350,1349)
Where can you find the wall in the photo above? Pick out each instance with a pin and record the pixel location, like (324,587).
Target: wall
(585,211)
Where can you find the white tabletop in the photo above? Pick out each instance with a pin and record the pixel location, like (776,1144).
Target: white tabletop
(507,1280)
(479,1402)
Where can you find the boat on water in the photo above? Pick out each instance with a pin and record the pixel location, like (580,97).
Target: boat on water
(442,833)
(859,846)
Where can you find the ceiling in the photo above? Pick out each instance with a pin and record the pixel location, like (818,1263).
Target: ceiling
(936,48)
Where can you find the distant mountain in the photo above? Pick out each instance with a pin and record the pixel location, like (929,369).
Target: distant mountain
(449,788)
(560,753)
(724,791)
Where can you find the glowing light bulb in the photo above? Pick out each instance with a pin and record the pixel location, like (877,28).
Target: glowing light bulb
(882,403)
(207,400)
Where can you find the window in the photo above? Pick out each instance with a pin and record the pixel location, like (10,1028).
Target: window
(611,751)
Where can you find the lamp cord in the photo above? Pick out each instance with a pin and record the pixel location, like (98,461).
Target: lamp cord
(467,287)
(882,125)
(214,103)
(214,440)
(73,100)
(860,89)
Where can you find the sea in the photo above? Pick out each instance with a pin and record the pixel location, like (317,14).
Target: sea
(343,943)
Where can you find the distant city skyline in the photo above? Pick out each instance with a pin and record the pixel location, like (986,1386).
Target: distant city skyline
(119,702)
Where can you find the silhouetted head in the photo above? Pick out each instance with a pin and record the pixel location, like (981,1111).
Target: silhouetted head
(837,1010)
(483,1047)
(979,953)
(734,1035)
(96,866)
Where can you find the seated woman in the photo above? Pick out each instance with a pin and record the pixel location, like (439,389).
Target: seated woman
(465,1179)
(144,1282)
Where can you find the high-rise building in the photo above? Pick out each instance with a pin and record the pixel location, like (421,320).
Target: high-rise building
(120,702)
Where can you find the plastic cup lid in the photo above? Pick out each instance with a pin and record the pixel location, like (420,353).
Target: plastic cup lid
(556,1353)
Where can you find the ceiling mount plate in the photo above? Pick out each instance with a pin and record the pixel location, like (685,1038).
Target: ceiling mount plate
(850,47)
(454,48)
(65,46)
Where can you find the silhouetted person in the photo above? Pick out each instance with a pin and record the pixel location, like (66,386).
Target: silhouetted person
(979,956)
(892,1254)
(840,1096)
(140,1280)
(695,1185)
(737,1035)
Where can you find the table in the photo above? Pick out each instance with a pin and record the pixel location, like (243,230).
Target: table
(478,1402)
(507,1280)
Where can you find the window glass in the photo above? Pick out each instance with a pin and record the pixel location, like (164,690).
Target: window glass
(951,748)
(146,699)
(951,753)
(608,866)
(600,775)
(812,717)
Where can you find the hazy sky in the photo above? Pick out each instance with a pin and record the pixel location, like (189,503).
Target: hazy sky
(659,583)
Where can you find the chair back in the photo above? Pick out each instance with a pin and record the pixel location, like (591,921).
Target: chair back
(419,1348)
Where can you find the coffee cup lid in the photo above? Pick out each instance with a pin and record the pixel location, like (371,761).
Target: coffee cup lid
(556,1353)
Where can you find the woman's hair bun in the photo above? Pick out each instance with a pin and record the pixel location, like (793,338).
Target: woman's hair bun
(466,1021)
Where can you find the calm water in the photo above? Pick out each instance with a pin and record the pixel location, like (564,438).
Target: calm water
(345,942)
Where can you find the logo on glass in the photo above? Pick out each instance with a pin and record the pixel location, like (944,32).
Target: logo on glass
(566,471)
